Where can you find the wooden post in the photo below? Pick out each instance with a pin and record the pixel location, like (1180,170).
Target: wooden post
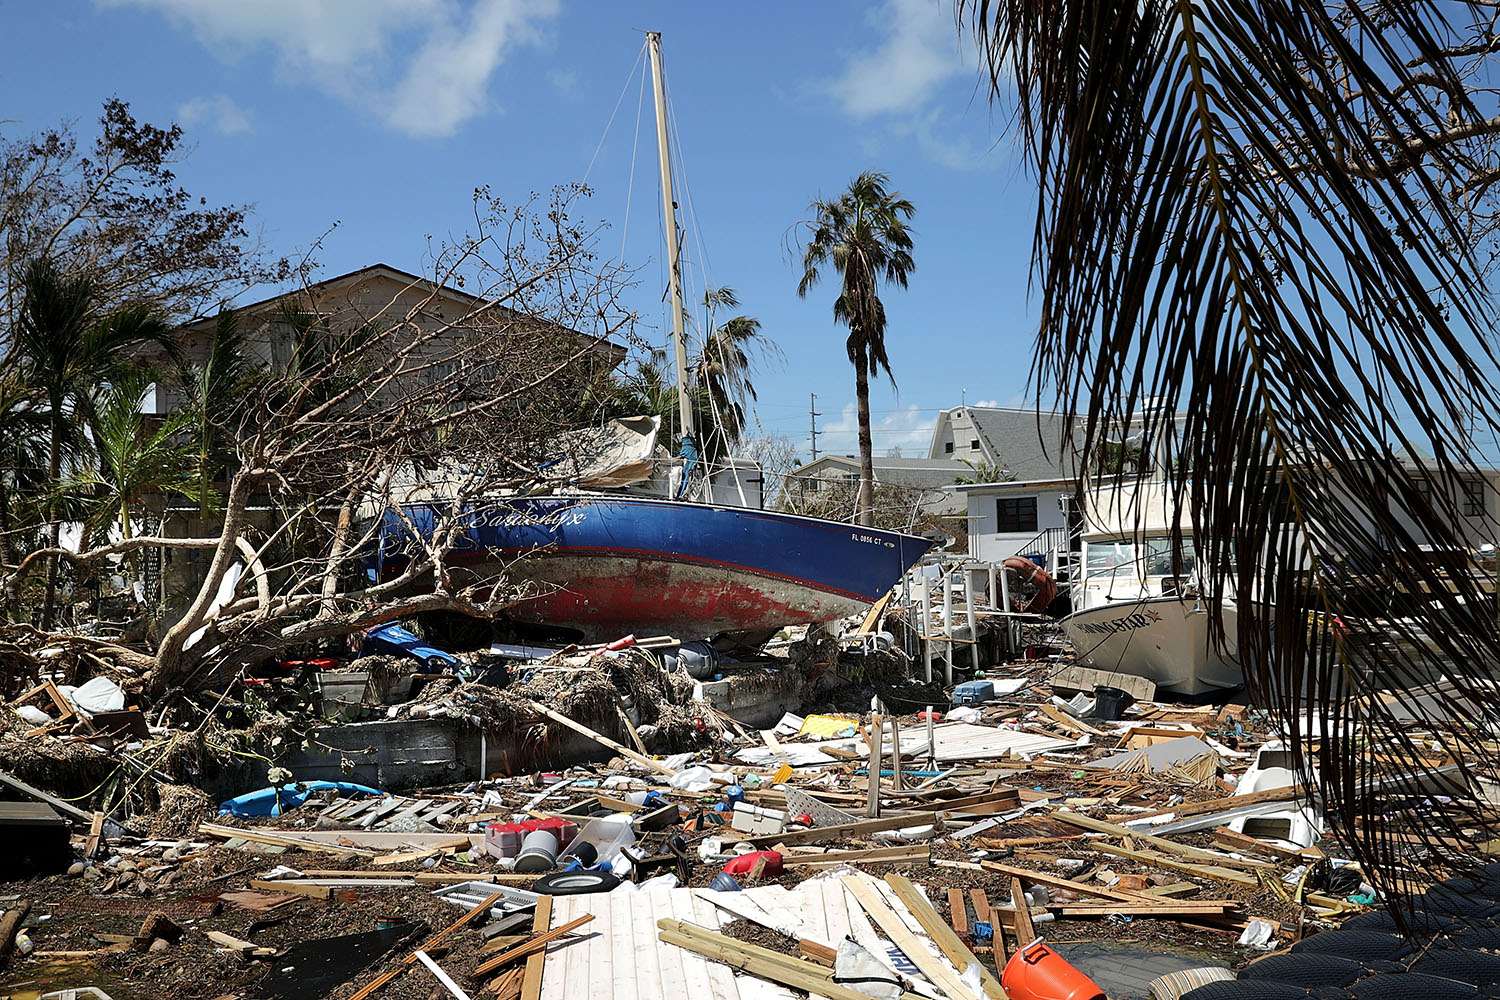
(896,755)
(877,737)
(931,742)
(10,924)
(1025,932)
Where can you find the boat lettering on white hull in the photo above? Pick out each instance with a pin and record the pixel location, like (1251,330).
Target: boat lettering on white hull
(1127,624)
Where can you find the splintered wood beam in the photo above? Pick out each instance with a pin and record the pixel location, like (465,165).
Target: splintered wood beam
(935,970)
(535,944)
(620,748)
(1021,915)
(531,979)
(953,949)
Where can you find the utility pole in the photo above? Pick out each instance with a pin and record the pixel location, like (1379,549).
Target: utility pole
(812,418)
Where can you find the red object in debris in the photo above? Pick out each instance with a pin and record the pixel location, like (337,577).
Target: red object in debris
(745,862)
(698,725)
(619,644)
(934,716)
(503,840)
(803,818)
(1036,972)
(321,664)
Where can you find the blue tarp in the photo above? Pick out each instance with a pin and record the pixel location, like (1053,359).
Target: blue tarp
(273,801)
(392,638)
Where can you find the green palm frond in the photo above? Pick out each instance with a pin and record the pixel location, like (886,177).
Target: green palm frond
(1248,249)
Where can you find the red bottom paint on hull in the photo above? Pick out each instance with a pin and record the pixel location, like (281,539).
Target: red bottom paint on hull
(603,597)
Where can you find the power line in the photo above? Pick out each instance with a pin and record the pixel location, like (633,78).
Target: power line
(812,411)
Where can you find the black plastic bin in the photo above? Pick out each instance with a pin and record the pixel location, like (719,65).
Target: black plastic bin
(1110,703)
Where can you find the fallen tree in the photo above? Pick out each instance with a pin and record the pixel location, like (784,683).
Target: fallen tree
(373,408)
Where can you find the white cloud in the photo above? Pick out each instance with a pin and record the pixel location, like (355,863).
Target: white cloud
(423,66)
(907,428)
(908,83)
(218,111)
(919,53)
(987,403)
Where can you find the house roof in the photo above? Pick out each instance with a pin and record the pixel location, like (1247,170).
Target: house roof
(915,473)
(405,278)
(1025,442)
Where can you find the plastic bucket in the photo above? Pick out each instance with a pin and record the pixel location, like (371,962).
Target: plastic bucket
(1110,703)
(1036,972)
(538,852)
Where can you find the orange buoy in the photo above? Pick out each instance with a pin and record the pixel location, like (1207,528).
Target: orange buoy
(1046,587)
(1036,972)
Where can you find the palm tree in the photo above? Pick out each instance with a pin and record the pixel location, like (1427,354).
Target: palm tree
(133,461)
(863,233)
(1260,215)
(66,351)
(214,393)
(722,371)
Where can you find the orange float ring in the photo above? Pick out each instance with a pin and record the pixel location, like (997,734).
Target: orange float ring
(1046,587)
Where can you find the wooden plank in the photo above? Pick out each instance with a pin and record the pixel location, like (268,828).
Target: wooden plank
(279,840)
(1058,882)
(1228,802)
(935,970)
(375,984)
(843,830)
(787,970)
(1164,910)
(982,913)
(953,949)
(641,759)
(908,852)
(539,942)
(1234,841)
(95,837)
(1067,721)
(1170,846)
(301,889)
(1021,915)
(958,912)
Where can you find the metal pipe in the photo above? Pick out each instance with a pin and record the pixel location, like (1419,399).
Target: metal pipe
(947,630)
(973,620)
(926,630)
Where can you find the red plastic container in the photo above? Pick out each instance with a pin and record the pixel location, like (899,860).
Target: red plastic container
(742,864)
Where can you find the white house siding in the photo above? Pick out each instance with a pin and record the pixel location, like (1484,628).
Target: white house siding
(988,544)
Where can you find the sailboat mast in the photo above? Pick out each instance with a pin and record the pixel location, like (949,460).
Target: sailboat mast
(674,255)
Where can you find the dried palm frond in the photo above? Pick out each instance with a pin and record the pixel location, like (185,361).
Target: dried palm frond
(1254,250)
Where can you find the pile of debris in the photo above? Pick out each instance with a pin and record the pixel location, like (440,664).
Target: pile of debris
(649,817)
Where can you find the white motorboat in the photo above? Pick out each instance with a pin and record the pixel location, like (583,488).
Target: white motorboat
(1137,605)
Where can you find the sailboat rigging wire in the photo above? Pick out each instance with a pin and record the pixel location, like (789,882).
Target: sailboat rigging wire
(675,136)
(638,57)
(635,147)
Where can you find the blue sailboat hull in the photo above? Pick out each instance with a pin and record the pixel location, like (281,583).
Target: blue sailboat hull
(605,566)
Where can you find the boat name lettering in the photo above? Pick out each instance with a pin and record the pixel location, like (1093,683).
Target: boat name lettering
(522,518)
(1127,624)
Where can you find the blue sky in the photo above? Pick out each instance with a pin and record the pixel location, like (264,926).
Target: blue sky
(384,115)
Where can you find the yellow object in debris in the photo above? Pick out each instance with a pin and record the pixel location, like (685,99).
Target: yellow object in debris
(826,726)
(782,774)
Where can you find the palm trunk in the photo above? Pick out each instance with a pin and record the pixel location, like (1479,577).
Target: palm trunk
(864,505)
(54,530)
(130,557)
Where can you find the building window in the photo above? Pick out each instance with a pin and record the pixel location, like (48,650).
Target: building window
(1016,514)
(1423,487)
(1473,498)
(948,447)
(974,445)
